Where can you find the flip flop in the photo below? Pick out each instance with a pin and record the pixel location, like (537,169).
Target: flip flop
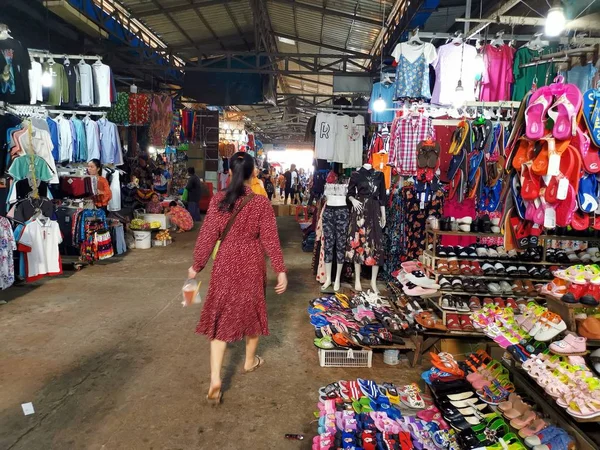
(589,154)
(459,138)
(586,196)
(494,195)
(455,164)
(564,112)
(535,114)
(530,183)
(540,162)
(580,221)
(257,365)
(591,114)
(523,153)
(515,187)
(566,208)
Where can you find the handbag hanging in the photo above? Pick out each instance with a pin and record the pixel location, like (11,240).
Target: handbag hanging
(229,225)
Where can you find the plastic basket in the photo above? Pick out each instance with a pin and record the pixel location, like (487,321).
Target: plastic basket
(345,358)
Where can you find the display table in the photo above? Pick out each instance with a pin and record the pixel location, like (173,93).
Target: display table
(430,338)
(586,433)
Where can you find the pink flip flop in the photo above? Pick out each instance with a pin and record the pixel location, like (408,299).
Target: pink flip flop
(589,154)
(564,112)
(539,104)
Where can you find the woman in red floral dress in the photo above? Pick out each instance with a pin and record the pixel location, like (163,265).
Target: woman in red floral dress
(235,306)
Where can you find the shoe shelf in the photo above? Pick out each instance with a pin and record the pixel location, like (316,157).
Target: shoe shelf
(489,294)
(506,261)
(505,277)
(584,431)
(543,237)
(443,313)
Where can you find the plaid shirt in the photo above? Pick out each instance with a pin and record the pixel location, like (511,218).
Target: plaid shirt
(407,132)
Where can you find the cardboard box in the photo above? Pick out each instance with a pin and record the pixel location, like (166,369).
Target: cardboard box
(281,210)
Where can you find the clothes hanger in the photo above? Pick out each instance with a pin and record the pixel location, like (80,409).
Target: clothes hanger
(81,61)
(66,61)
(98,62)
(458,38)
(498,41)
(414,39)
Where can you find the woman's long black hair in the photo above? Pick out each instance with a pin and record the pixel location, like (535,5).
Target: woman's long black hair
(241,165)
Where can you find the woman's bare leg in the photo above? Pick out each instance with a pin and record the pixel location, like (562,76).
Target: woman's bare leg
(251,346)
(217,353)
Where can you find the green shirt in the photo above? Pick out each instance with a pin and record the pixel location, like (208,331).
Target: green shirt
(524,77)
(58,92)
(19,169)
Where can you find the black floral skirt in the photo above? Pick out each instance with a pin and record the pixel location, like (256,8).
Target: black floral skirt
(365,236)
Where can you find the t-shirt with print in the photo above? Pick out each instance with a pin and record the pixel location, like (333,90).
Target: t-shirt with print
(40,241)
(14,67)
(325,130)
(412,72)
(355,151)
(342,138)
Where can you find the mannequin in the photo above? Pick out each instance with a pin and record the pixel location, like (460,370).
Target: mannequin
(335,229)
(366,192)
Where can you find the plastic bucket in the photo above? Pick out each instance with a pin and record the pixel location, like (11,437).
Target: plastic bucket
(143,239)
(391,357)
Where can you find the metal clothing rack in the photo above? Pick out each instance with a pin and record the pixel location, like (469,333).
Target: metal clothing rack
(562,56)
(46,54)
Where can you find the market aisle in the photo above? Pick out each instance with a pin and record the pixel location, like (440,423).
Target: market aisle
(110,360)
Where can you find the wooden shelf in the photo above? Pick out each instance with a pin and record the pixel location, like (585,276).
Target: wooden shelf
(505,261)
(545,237)
(489,294)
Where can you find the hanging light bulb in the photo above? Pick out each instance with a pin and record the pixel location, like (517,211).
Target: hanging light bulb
(555,21)
(379,105)
(46,78)
(459,96)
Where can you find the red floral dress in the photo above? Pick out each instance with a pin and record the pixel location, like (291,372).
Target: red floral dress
(235,306)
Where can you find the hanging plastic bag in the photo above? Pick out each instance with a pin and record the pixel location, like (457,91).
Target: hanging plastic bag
(191,292)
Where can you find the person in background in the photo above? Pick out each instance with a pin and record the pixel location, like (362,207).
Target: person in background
(194,189)
(281,184)
(269,188)
(154,206)
(180,217)
(289,185)
(162,180)
(256,183)
(300,187)
(235,307)
(143,174)
(104,194)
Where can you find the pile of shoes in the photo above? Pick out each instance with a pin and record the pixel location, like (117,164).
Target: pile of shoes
(414,281)
(457,312)
(576,284)
(493,252)
(515,287)
(363,321)
(364,414)
(566,377)
(482,224)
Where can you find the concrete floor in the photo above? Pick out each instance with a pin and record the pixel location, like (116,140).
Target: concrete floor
(109,358)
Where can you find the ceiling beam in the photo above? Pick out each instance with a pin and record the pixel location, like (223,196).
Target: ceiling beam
(308,80)
(182,8)
(173,21)
(236,25)
(329,11)
(508,5)
(579,24)
(321,44)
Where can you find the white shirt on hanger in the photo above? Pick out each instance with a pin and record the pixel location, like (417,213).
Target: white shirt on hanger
(86,84)
(115,187)
(342,138)
(448,70)
(42,146)
(40,240)
(102,85)
(65,139)
(355,152)
(35,82)
(325,128)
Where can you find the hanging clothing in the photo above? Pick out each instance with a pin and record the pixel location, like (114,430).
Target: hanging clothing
(80,153)
(86,84)
(70,99)
(385,91)
(406,133)
(7,122)
(40,240)
(35,83)
(497,76)
(355,149)
(543,74)
(92,135)
(102,77)
(412,71)
(161,115)
(38,142)
(58,91)
(119,113)
(110,144)
(65,139)
(7,246)
(454,62)
(379,161)
(365,237)
(115,188)
(14,67)
(343,126)
(139,109)
(582,76)
(325,135)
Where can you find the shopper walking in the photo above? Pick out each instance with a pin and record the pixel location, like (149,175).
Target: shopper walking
(268,184)
(235,306)
(281,184)
(194,188)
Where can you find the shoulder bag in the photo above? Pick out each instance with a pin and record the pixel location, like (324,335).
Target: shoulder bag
(230,224)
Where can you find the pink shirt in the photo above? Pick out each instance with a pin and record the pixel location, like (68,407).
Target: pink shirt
(498,73)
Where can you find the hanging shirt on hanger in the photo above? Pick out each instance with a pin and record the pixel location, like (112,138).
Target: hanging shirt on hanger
(92,134)
(406,133)
(86,84)
(7,246)
(582,76)
(53,130)
(412,72)
(325,131)
(110,145)
(385,91)
(343,126)
(525,76)
(355,148)
(71,98)
(35,83)
(14,69)
(81,151)
(65,139)
(102,84)
(498,73)
(38,142)
(454,62)
(40,240)
(58,91)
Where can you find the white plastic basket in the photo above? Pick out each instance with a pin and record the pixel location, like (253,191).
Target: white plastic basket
(345,358)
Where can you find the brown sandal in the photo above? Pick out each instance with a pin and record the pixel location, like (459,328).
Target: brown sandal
(214,400)
(257,365)
(427,320)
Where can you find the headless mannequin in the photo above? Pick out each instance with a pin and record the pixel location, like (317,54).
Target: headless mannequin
(337,199)
(358,206)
